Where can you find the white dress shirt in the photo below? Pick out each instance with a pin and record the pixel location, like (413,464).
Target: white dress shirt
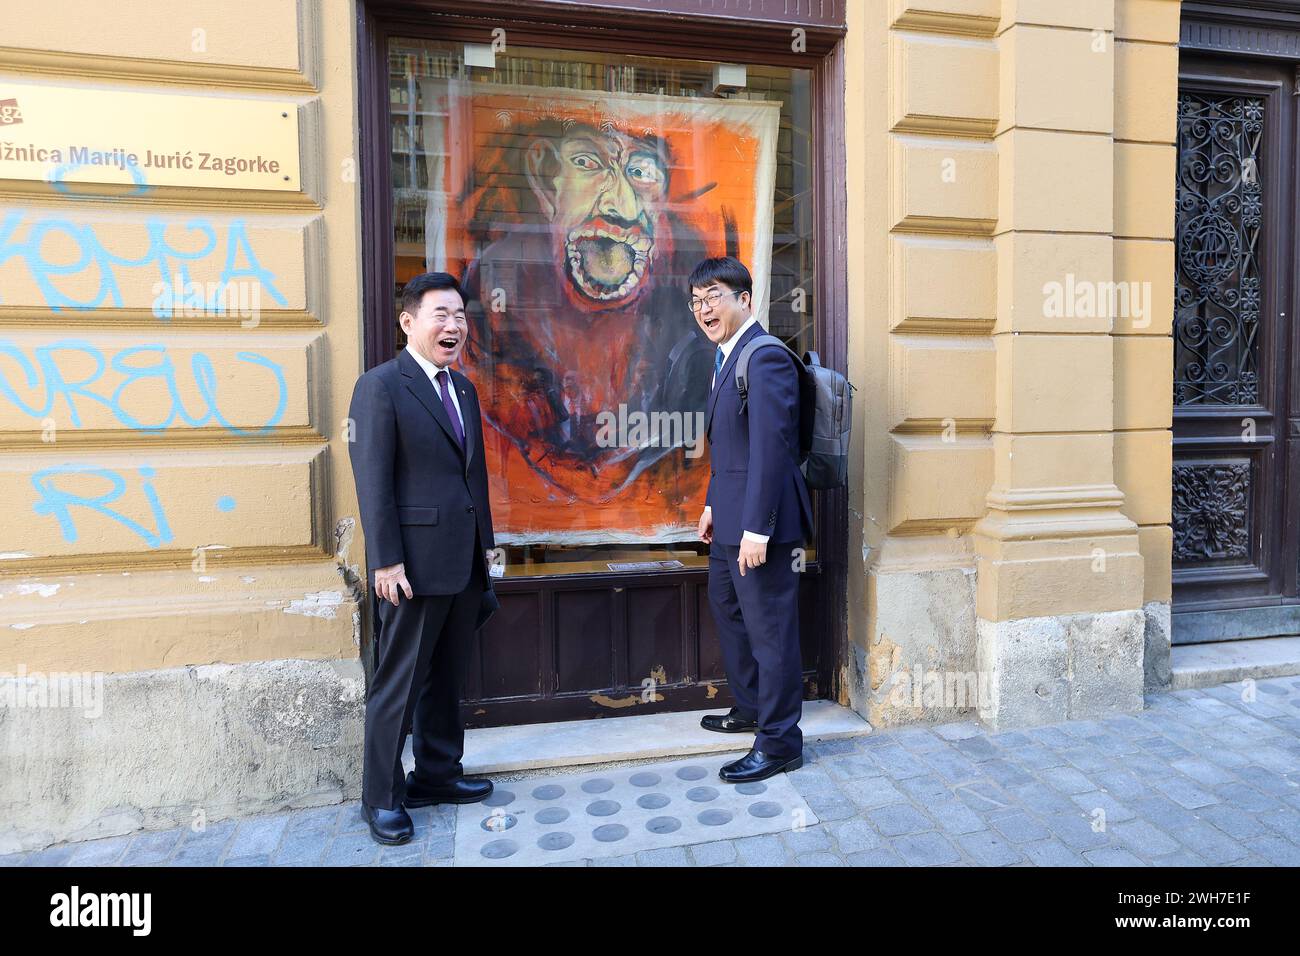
(432,370)
(726,347)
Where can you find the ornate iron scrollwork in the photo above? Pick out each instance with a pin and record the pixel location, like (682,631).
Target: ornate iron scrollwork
(1219,212)
(1211,508)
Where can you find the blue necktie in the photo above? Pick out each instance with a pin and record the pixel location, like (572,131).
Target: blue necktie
(717,362)
(444,386)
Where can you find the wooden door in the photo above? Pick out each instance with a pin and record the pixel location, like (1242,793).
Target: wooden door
(1235,407)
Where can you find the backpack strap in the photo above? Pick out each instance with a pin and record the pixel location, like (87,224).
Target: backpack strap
(742,363)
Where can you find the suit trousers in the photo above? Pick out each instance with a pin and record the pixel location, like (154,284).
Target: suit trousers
(422,649)
(757,618)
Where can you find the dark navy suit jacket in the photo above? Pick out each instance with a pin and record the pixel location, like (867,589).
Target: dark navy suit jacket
(422,498)
(754,480)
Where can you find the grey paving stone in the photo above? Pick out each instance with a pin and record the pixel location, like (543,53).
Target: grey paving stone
(1076,831)
(664,856)
(918,740)
(412,854)
(629,860)
(1112,856)
(351,849)
(1005,773)
(1182,857)
(764,850)
(1121,784)
(1185,793)
(870,792)
(1042,799)
(1051,736)
(1144,838)
(954,767)
(1115,812)
(258,835)
(833,806)
(925,788)
(319,819)
(854,836)
(306,847)
(1210,844)
(955,817)
(881,856)
(976,748)
(1050,853)
(898,819)
(1203,771)
(829,748)
(989,849)
(150,848)
(256,860)
(1018,826)
(57,855)
(1067,780)
(1246,798)
(959,730)
(1272,783)
(1285,822)
(1085,758)
(12,859)
(440,846)
(1162,811)
(821,858)
(1275,849)
(714,854)
(925,849)
(1232,821)
(983,796)
(99,852)
(852,767)
(807,840)
(899,763)
(1036,757)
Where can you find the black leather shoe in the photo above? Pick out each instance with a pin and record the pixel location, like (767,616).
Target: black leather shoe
(389,827)
(757,765)
(728,723)
(460,790)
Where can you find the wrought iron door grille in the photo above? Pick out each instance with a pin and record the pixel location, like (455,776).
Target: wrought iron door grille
(1219,211)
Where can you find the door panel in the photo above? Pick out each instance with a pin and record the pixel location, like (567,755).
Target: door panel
(1231,506)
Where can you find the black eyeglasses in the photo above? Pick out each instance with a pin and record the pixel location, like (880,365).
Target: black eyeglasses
(713,298)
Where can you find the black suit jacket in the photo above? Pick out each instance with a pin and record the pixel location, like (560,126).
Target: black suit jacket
(422,498)
(754,479)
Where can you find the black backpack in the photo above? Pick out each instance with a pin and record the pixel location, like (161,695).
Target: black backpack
(825,413)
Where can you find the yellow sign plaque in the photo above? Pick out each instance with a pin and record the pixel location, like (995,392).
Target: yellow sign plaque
(66,135)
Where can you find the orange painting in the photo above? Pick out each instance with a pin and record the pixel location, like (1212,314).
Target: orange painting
(574,219)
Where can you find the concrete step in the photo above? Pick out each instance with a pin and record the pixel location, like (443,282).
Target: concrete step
(1204,665)
(612,740)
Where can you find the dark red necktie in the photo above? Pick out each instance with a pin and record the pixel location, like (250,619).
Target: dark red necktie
(444,386)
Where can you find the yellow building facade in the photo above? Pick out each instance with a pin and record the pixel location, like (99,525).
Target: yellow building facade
(989,195)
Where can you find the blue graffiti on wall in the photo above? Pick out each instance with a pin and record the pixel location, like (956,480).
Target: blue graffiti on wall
(171,261)
(59,502)
(138,364)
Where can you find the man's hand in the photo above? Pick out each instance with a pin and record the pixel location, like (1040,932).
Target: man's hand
(752,554)
(706,525)
(389,580)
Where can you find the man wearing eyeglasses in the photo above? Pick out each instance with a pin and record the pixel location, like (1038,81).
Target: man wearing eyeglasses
(756,513)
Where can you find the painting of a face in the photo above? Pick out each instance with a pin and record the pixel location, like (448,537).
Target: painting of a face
(575,218)
(604,192)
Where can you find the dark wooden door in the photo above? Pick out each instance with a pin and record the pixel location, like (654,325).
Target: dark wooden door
(1235,391)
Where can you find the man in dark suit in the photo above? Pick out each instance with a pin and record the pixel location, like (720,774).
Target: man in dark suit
(757,512)
(421,478)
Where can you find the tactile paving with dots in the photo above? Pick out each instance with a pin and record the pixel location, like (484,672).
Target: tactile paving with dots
(558,819)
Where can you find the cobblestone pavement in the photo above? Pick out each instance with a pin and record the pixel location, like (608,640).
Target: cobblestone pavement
(1201,777)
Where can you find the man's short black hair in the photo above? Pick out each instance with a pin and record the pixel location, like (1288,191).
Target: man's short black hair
(725,269)
(414,291)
